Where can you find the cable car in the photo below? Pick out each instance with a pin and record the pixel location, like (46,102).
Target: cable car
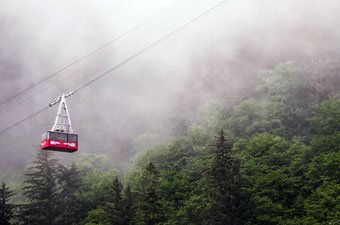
(61,137)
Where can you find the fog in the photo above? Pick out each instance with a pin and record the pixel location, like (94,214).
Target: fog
(144,95)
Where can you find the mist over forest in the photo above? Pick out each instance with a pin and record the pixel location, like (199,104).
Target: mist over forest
(238,40)
(264,72)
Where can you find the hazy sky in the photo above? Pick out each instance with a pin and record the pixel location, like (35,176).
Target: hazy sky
(39,37)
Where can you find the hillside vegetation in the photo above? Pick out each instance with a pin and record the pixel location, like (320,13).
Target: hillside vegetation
(271,158)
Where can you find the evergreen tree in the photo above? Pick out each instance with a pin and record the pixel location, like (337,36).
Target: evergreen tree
(6,208)
(224,187)
(120,208)
(149,206)
(41,192)
(115,208)
(71,207)
(128,206)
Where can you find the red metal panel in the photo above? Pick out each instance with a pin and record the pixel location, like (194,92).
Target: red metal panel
(58,145)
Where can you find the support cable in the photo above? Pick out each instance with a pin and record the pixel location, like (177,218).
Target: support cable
(125,61)
(66,77)
(89,54)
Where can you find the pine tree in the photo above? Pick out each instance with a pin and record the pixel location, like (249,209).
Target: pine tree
(149,198)
(6,208)
(71,207)
(115,208)
(120,208)
(224,186)
(128,206)
(41,192)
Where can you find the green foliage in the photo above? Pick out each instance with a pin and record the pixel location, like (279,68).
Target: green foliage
(283,80)
(95,188)
(90,162)
(282,169)
(252,116)
(6,208)
(177,152)
(273,188)
(285,100)
(120,208)
(149,199)
(210,116)
(323,205)
(145,141)
(326,120)
(129,206)
(72,208)
(115,208)
(60,195)
(97,217)
(224,187)
(41,192)
(181,165)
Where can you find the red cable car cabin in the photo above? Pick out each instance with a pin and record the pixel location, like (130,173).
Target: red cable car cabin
(61,137)
(58,141)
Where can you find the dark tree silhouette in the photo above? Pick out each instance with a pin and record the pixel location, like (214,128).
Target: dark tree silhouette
(6,209)
(224,186)
(71,210)
(41,192)
(150,210)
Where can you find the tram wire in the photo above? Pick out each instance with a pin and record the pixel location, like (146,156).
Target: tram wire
(90,53)
(150,46)
(73,73)
(24,119)
(126,60)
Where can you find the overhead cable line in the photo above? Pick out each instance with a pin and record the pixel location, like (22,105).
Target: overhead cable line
(35,94)
(26,118)
(67,76)
(53,85)
(151,45)
(90,53)
(126,60)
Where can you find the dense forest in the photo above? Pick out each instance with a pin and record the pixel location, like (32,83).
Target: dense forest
(271,158)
